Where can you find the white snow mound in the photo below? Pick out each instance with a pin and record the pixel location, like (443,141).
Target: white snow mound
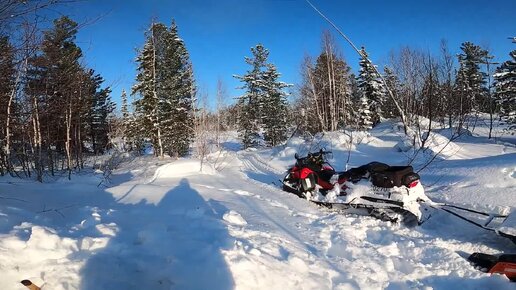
(183,168)
(235,218)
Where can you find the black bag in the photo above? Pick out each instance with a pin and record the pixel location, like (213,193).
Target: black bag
(394,176)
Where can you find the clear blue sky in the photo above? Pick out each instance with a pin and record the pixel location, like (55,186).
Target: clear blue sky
(219,33)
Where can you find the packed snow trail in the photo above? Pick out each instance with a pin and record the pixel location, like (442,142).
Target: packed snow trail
(161,224)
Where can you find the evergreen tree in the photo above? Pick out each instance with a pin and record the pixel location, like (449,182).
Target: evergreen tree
(147,86)
(67,107)
(101,109)
(251,103)
(274,107)
(264,104)
(125,106)
(393,83)
(505,90)
(166,88)
(470,84)
(56,83)
(7,85)
(364,114)
(371,89)
(176,104)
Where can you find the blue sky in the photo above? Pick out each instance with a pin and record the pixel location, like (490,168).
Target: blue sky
(218,34)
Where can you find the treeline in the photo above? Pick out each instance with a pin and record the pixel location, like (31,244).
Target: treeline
(54,109)
(442,88)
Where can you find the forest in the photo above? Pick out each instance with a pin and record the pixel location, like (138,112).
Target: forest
(56,112)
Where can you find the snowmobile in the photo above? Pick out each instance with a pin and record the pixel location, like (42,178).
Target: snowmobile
(391,193)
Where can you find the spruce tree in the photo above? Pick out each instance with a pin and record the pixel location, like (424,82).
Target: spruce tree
(505,90)
(251,103)
(147,86)
(166,88)
(393,83)
(178,85)
(371,89)
(56,82)
(326,91)
(274,107)
(125,106)
(101,109)
(470,83)
(364,114)
(263,107)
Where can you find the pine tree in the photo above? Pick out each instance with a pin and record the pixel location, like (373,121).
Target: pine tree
(55,81)
(274,107)
(371,89)
(251,103)
(470,83)
(505,90)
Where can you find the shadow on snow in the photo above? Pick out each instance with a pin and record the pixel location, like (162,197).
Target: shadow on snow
(175,244)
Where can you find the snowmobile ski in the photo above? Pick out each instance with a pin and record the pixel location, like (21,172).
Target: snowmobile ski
(387,214)
(503,225)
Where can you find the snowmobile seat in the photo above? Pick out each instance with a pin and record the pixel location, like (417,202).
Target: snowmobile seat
(382,175)
(326,175)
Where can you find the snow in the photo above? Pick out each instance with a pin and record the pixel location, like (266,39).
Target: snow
(165,224)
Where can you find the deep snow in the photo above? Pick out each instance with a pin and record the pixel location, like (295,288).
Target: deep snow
(162,224)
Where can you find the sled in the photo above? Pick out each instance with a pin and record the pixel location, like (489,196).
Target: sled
(391,193)
(503,225)
(500,264)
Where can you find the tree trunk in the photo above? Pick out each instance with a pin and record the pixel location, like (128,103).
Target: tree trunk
(68,120)
(37,140)
(156,109)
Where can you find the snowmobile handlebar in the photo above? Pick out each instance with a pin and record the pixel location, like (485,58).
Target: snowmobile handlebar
(313,154)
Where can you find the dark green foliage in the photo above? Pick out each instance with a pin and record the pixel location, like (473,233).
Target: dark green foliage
(101,108)
(69,107)
(389,109)
(372,92)
(470,82)
(274,107)
(166,89)
(264,104)
(505,90)
(7,85)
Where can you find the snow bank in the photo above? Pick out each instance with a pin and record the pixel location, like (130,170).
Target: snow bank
(183,168)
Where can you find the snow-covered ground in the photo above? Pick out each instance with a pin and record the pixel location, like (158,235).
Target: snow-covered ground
(163,224)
